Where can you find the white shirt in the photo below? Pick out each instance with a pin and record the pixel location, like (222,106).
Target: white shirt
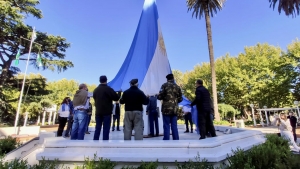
(65,113)
(186,109)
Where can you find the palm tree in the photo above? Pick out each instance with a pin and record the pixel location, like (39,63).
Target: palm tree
(208,8)
(290,7)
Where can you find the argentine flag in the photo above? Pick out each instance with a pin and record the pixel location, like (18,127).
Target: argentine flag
(147,57)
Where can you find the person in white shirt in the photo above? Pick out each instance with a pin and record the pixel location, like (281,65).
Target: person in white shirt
(186,109)
(64,113)
(285,128)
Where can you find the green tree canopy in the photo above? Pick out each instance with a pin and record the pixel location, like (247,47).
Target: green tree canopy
(263,75)
(13,32)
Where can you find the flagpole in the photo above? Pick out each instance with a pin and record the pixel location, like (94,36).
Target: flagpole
(22,90)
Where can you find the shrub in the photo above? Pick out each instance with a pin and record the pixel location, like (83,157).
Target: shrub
(274,153)
(15,164)
(197,164)
(8,144)
(97,163)
(144,165)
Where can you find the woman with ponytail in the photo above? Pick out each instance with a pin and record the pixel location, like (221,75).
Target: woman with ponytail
(64,113)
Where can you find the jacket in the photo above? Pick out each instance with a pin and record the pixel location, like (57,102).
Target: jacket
(103,96)
(80,98)
(134,99)
(152,104)
(170,94)
(293,121)
(202,100)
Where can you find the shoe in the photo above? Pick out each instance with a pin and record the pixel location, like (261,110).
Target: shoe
(87,132)
(113,130)
(67,136)
(192,131)
(118,130)
(201,138)
(186,131)
(150,135)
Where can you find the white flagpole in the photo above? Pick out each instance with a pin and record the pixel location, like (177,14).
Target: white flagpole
(22,90)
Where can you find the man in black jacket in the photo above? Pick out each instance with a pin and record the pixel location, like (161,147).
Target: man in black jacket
(134,99)
(293,121)
(202,101)
(103,96)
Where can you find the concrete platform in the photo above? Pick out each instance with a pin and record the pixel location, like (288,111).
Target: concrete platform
(150,149)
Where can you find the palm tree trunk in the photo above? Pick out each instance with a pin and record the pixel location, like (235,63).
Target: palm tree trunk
(212,63)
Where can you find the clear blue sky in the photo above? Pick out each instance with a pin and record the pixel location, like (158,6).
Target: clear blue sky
(101,31)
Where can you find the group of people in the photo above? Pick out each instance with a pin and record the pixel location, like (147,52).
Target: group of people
(287,126)
(79,110)
(67,114)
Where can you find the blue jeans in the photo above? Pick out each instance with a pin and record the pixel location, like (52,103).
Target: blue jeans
(153,120)
(167,120)
(79,125)
(88,120)
(105,121)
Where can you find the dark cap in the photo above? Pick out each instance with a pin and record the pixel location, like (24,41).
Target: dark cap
(103,79)
(170,76)
(134,81)
(199,81)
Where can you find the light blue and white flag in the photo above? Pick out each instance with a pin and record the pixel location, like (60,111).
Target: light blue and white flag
(147,57)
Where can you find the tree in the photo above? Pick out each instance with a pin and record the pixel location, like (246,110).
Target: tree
(293,52)
(35,91)
(290,7)
(262,75)
(61,89)
(12,28)
(208,8)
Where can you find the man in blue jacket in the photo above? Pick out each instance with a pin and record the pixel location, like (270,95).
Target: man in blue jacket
(153,115)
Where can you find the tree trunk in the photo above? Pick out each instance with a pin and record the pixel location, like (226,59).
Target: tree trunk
(212,63)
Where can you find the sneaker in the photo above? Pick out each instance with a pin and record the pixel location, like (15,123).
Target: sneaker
(87,132)
(118,130)
(113,130)
(186,132)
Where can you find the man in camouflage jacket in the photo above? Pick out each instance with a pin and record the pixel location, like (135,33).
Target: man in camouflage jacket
(170,95)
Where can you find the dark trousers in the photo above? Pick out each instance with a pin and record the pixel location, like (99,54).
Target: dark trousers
(116,118)
(205,124)
(105,121)
(69,126)
(211,116)
(153,120)
(188,119)
(62,123)
(294,134)
(88,122)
